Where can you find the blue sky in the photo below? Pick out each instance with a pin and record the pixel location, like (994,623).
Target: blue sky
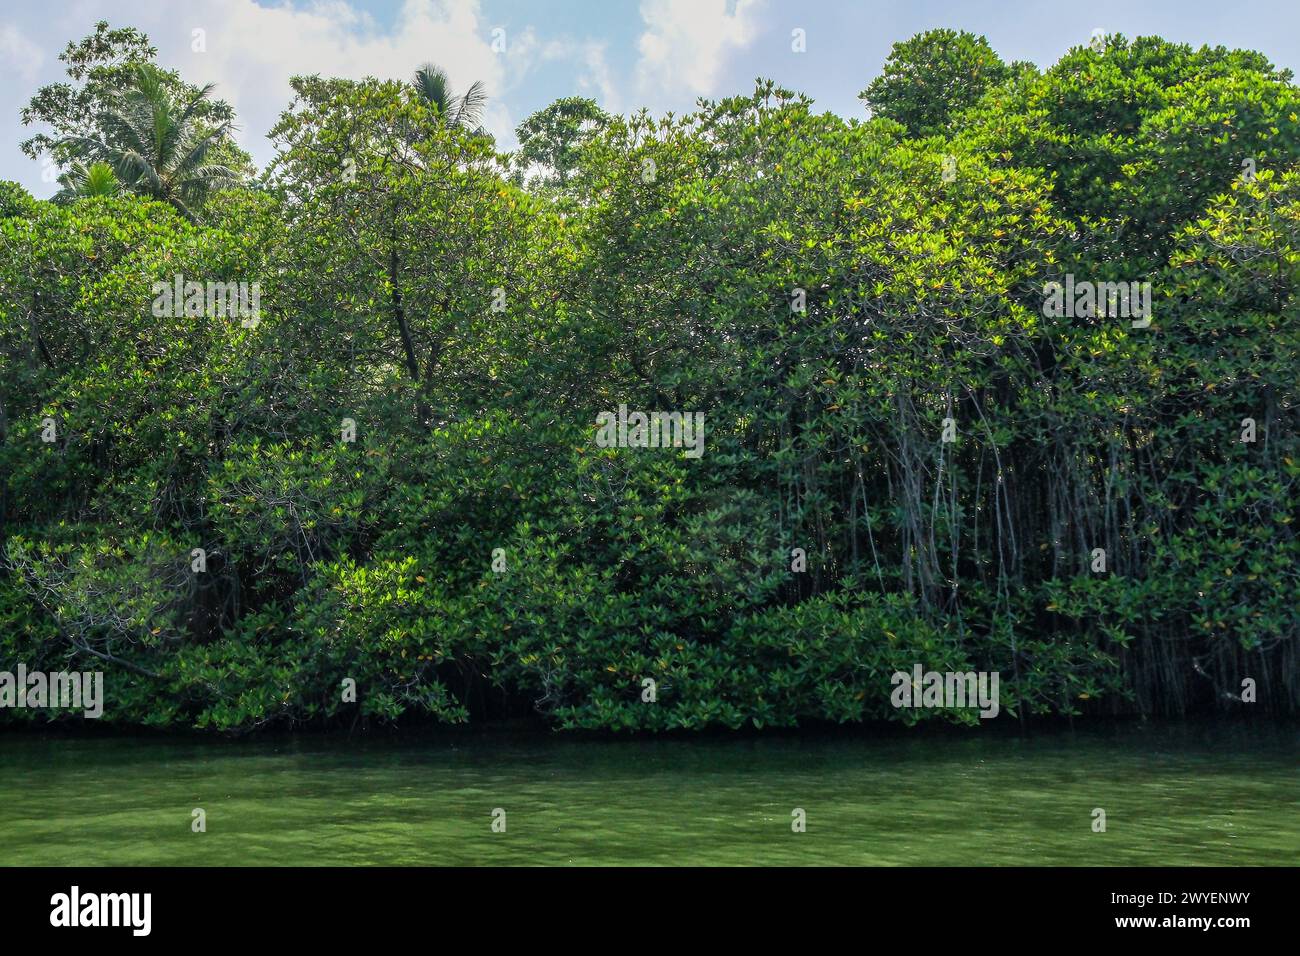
(661,54)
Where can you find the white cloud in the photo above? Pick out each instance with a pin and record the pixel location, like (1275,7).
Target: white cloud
(253,47)
(686,41)
(597,79)
(253,50)
(18,54)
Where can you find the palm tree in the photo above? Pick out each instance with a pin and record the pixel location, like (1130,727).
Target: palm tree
(432,85)
(159,147)
(82,181)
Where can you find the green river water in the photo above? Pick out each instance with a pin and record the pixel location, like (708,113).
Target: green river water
(1202,794)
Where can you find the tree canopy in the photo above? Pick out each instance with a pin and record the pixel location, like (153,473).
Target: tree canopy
(388,475)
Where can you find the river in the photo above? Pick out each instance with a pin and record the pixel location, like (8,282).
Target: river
(1193,794)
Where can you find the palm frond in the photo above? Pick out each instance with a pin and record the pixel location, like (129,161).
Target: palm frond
(432,85)
(82,181)
(159,146)
(470,108)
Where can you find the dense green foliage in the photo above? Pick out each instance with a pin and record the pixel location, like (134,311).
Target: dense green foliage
(834,295)
(551,140)
(930,79)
